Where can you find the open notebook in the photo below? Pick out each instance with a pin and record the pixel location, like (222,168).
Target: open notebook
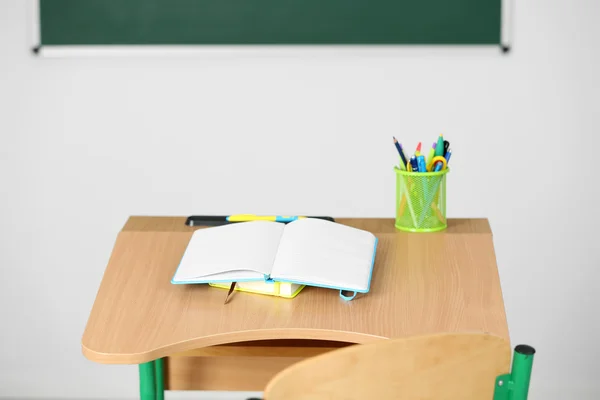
(305,252)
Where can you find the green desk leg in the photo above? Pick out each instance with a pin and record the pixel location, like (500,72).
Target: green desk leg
(160,379)
(147,381)
(515,386)
(521,371)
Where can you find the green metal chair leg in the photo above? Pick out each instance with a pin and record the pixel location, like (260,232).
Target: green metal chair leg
(515,386)
(160,379)
(147,381)
(521,371)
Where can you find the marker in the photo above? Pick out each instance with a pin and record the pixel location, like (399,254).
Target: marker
(414,164)
(421,164)
(430,156)
(446,147)
(439,148)
(401,152)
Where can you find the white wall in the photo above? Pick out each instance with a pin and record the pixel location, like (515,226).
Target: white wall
(87,142)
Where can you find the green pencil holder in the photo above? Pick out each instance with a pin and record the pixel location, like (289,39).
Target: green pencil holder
(421,201)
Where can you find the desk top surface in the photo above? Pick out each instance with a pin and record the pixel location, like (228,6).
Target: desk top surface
(421,284)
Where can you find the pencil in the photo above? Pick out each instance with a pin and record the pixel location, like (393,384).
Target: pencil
(230,291)
(401,152)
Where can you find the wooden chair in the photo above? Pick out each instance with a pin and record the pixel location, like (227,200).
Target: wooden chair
(438,367)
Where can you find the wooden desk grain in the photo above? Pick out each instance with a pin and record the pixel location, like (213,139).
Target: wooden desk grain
(422,284)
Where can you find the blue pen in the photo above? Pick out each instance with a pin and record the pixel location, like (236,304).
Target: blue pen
(448,155)
(414,164)
(438,167)
(421,164)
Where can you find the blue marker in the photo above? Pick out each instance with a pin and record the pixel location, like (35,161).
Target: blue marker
(414,164)
(421,164)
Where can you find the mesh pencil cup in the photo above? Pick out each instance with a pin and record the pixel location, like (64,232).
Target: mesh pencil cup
(420,200)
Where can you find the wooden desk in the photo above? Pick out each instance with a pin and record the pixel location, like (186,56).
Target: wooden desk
(422,284)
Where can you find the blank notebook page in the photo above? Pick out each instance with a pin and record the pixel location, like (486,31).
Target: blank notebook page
(230,252)
(323,253)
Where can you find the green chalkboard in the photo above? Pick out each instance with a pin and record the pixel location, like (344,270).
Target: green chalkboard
(183,22)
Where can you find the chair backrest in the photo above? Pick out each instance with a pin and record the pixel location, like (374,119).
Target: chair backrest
(440,367)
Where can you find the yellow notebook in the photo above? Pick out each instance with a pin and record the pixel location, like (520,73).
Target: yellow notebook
(280,289)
